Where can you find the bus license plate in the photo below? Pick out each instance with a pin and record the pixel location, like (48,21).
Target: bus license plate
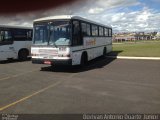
(47,62)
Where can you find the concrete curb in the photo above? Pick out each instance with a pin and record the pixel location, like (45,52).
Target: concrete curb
(135,58)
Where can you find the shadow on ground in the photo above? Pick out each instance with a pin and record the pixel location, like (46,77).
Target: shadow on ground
(94,64)
(99,62)
(13,61)
(114,53)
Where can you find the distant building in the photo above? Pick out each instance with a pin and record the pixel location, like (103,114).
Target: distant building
(133,36)
(157,36)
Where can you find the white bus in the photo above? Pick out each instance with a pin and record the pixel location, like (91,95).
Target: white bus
(69,40)
(15,42)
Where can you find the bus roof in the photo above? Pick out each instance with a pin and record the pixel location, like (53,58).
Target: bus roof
(15,26)
(68,17)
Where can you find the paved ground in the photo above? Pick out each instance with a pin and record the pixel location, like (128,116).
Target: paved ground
(104,86)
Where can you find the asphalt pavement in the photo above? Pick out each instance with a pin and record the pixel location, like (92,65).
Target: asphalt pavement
(106,85)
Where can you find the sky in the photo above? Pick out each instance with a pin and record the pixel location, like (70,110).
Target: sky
(122,15)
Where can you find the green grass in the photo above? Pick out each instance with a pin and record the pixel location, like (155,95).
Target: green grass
(145,49)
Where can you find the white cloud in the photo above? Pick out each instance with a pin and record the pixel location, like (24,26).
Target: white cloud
(95,10)
(116,13)
(117,3)
(117,17)
(144,16)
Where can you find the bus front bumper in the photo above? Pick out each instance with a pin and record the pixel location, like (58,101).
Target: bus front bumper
(52,61)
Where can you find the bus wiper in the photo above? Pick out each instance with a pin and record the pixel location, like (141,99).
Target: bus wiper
(55,44)
(50,41)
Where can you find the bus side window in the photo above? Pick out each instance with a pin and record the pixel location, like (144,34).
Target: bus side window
(76,39)
(20,35)
(1,36)
(106,32)
(29,35)
(84,29)
(94,30)
(110,33)
(5,37)
(101,31)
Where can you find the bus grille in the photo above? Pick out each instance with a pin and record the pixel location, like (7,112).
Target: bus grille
(44,52)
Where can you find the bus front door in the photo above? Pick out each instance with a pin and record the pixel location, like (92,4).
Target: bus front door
(6,52)
(6,44)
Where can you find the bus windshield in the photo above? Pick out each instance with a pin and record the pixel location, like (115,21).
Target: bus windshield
(52,33)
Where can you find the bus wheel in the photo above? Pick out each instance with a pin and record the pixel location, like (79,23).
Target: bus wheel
(104,52)
(23,54)
(84,59)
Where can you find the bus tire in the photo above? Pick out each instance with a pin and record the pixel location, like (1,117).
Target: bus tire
(23,54)
(104,52)
(84,59)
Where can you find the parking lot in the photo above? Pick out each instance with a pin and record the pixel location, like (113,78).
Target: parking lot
(105,86)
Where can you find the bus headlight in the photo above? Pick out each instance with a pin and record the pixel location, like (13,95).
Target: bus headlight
(64,55)
(62,49)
